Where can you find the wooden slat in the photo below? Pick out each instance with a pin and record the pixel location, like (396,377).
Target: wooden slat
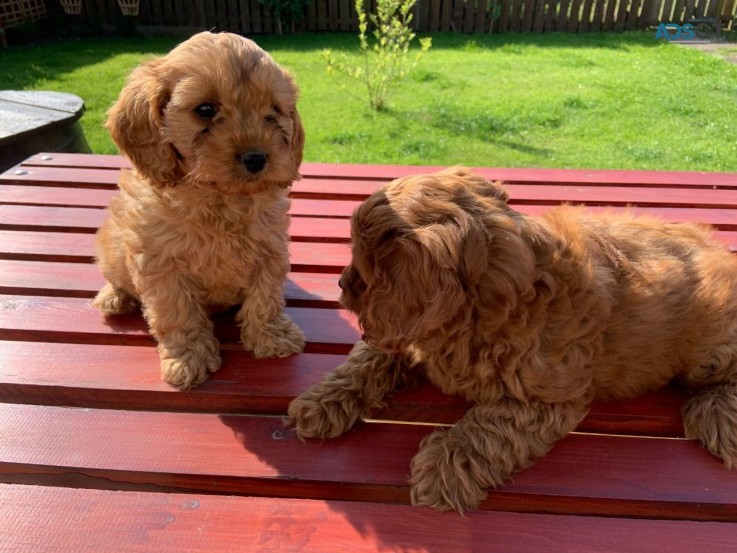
(610,16)
(562,22)
(55,176)
(304,256)
(357,172)
(316,207)
(74,320)
(259,22)
(446,11)
(51,219)
(665,16)
(505,14)
(88,220)
(551,15)
(538,22)
(89,521)
(83,280)
(528,15)
(633,15)
(707,206)
(307,192)
(62,196)
(646,14)
(598,18)
(49,246)
(79,248)
(575,17)
(322,18)
(689,9)
(678,7)
(622,12)
(121,377)
(80,280)
(468,19)
(602,475)
(585,21)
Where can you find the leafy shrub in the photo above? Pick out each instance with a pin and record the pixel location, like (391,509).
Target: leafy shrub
(386,55)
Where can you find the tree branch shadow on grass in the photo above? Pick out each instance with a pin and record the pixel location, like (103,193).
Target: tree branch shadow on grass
(25,65)
(486,127)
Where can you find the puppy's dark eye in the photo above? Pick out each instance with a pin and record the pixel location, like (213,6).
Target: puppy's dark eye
(206,111)
(271,119)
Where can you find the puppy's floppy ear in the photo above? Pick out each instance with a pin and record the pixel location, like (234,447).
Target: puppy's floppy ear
(298,140)
(135,122)
(416,285)
(461,246)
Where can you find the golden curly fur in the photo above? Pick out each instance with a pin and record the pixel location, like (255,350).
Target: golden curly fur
(215,139)
(529,318)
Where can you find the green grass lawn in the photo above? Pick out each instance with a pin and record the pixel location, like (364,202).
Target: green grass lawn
(620,101)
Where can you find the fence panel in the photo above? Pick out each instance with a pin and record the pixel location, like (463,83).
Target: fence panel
(465,16)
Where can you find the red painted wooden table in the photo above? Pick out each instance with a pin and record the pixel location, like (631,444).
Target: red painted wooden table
(96,454)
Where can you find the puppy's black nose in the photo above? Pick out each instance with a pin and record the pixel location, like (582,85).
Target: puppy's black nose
(253,160)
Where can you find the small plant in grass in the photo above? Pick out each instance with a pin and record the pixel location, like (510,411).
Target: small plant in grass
(386,59)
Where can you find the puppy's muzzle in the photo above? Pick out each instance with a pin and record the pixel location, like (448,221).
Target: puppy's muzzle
(254,160)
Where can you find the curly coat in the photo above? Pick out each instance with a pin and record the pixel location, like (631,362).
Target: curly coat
(215,140)
(529,318)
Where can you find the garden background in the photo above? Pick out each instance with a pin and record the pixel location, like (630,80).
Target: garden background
(616,100)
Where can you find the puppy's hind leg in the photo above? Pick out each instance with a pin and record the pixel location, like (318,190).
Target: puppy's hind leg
(711,416)
(453,469)
(352,391)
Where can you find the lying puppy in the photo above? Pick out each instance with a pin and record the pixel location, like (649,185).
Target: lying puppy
(529,318)
(215,140)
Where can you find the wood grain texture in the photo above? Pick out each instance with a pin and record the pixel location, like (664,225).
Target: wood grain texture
(594,177)
(343,189)
(79,247)
(89,521)
(74,320)
(83,280)
(120,377)
(603,475)
(83,411)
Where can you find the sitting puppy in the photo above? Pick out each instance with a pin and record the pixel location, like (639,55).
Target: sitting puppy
(215,140)
(530,319)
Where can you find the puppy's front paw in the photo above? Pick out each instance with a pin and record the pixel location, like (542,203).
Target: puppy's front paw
(190,367)
(279,337)
(443,475)
(324,412)
(112,301)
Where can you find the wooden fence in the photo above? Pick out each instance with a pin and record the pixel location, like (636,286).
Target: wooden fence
(467,16)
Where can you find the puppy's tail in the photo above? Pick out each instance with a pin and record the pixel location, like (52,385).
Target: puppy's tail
(711,417)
